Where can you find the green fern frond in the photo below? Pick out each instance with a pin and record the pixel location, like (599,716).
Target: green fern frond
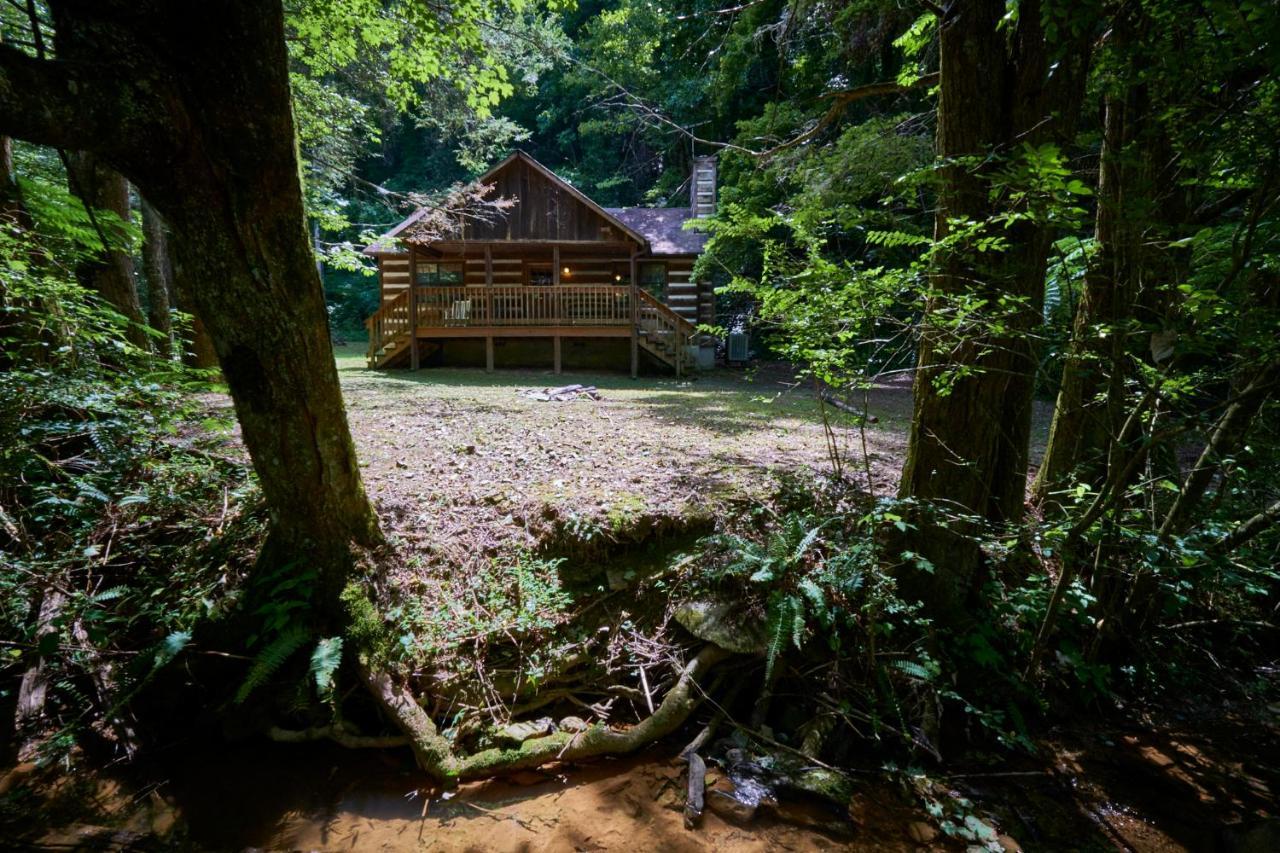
(894,239)
(325,661)
(776,627)
(912,669)
(814,595)
(110,594)
(798,623)
(171,647)
(271,658)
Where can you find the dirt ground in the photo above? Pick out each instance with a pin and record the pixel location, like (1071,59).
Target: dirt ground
(459,462)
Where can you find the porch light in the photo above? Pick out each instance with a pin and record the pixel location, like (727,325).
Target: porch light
(564,271)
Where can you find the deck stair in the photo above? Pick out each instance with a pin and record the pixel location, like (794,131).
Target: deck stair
(390,332)
(663,333)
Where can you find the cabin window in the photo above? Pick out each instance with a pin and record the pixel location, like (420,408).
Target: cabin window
(653,278)
(430,272)
(540,275)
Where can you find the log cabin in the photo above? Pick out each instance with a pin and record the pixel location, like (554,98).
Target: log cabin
(554,280)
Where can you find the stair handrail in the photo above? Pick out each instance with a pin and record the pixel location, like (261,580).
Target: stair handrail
(389,322)
(656,316)
(648,300)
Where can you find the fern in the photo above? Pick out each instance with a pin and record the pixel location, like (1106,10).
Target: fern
(776,626)
(895,239)
(913,670)
(110,594)
(271,658)
(324,663)
(171,647)
(785,622)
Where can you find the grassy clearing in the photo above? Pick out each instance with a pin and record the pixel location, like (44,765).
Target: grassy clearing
(461,464)
(479,486)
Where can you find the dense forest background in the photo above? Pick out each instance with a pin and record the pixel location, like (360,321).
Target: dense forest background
(617,98)
(1056,223)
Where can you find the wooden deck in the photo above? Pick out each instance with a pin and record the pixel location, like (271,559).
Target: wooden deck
(425,312)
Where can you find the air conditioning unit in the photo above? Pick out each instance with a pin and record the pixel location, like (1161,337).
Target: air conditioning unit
(738,347)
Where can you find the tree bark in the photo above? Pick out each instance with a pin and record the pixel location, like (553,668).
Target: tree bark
(10,211)
(111,274)
(196,345)
(192,104)
(159,274)
(1090,406)
(969,444)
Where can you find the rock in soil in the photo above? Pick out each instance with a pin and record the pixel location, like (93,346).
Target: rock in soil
(724,623)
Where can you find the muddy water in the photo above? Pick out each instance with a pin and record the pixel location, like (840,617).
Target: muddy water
(309,799)
(1208,787)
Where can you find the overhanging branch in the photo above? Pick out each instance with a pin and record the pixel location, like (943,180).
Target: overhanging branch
(73,105)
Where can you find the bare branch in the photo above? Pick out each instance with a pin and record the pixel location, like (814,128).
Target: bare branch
(1249,528)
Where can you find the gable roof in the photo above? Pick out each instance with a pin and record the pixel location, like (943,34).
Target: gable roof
(565,185)
(385,243)
(663,227)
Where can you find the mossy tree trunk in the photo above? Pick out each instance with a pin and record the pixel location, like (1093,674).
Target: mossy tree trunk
(192,104)
(110,274)
(969,444)
(1091,405)
(159,274)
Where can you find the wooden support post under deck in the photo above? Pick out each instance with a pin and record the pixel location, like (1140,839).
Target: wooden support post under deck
(556,347)
(413,311)
(635,322)
(488,354)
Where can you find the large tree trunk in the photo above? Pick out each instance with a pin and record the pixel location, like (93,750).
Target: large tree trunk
(111,273)
(968,450)
(196,345)
(1091,407)
(10,211)
(192,104)
(159,273)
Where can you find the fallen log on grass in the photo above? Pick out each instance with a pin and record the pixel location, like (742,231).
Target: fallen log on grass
(563,394)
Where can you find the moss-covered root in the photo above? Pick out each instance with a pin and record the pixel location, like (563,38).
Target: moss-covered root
(435,756)
(433,752)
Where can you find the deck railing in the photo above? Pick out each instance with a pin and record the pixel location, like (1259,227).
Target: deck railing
(657,327)
(563,305)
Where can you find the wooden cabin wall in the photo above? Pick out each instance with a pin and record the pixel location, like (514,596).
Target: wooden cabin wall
(393,275)
(693,300)
(543,210)
(682,291)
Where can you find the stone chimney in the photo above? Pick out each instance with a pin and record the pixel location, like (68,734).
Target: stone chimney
(702,193)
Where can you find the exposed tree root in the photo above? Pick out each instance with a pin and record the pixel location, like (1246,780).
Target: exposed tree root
(435,755)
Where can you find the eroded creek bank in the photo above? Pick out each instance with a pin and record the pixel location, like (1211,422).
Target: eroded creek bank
(1088,791)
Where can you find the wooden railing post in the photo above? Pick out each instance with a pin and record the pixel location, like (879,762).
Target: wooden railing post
(413,309)
(635,321)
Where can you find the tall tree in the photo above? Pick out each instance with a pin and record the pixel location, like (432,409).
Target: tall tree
(159,274)
(192,104)
(1137,197)
(1005,89)
(110,274)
